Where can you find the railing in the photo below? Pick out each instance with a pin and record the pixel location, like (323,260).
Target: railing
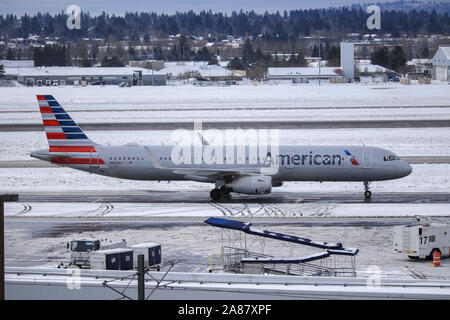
(231,261)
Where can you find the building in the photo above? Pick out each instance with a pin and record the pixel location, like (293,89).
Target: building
(147,64)
(52,76)
(441,64)
(348,60)
(200,70)
(303,74)
(369,72)
(419,69)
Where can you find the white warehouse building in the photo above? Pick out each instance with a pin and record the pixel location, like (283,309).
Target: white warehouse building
(441,64)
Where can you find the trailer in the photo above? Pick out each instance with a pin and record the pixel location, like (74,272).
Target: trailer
(80,250)
(422,240)
(151,252)
(113,259)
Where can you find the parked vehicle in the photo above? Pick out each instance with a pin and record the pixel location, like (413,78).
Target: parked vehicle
(422,240)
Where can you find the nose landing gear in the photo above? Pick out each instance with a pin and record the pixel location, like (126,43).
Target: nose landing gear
(367,193)
(218,193)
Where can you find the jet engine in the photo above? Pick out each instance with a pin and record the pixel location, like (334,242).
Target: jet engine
(251,185)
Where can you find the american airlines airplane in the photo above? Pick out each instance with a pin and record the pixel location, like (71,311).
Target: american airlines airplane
(241,171)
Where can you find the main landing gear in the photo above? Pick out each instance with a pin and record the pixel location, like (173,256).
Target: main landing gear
(367,193)
(218,193)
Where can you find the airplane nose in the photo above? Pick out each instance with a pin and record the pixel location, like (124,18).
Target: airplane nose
(406,169)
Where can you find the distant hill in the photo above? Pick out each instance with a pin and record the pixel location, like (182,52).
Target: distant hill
(402,5)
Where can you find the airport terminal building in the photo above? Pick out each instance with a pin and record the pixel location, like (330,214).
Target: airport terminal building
(55,76)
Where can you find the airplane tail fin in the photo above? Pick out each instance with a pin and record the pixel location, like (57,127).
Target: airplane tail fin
(62,132)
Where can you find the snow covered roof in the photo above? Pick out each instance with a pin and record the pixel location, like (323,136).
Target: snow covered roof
(306,71)
(202,67)
(17,63)
(446,51)
(368,67)
(442,57)
(76,71)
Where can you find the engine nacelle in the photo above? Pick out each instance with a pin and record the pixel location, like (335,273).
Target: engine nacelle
(251,185)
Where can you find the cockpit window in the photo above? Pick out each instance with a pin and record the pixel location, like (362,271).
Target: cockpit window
(391,158)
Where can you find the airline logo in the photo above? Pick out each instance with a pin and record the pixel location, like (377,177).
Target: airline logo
(352,158)
(65,138)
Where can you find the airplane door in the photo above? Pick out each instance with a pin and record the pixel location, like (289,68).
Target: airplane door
(367,159)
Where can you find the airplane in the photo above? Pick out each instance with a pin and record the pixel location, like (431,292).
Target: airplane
(70,147)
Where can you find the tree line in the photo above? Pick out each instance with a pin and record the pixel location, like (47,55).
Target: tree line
(286,26)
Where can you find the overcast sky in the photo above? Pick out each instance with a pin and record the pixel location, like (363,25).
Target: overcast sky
(20,7)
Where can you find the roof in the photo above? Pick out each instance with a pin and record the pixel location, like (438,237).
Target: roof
(78,71)
(146,245)
(363,66)
(17,63)
(442,57)
(202,67)
(304,71)
(111,251)
(446,51)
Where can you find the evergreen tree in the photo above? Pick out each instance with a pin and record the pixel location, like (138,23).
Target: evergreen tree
(213,60)
(2,71)
(380,57)
(315,52)
(85,63)
(397,59)
(10,55)
(236,64)
(248,56)
(113,62)
(334,57)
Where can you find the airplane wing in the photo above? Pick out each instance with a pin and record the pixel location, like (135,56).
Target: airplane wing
(215,172)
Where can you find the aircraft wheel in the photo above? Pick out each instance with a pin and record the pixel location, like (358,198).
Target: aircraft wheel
(367,194)
(215,194)
(224,190)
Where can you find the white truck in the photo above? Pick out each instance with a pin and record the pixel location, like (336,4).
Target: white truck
(421,240)
(80,250)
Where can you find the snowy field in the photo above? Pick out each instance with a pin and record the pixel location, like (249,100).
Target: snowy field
(244,96)
(105,210)
(271,102)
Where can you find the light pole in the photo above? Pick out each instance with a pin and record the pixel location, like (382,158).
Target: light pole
(320,58)
(3,198)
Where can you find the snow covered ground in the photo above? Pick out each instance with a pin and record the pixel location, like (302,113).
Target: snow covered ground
(188,96)
(104,210)
(271,102)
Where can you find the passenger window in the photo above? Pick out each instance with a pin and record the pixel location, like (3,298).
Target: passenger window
(432,238)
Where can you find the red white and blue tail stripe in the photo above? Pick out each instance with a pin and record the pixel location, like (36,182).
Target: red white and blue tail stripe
(67,142)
